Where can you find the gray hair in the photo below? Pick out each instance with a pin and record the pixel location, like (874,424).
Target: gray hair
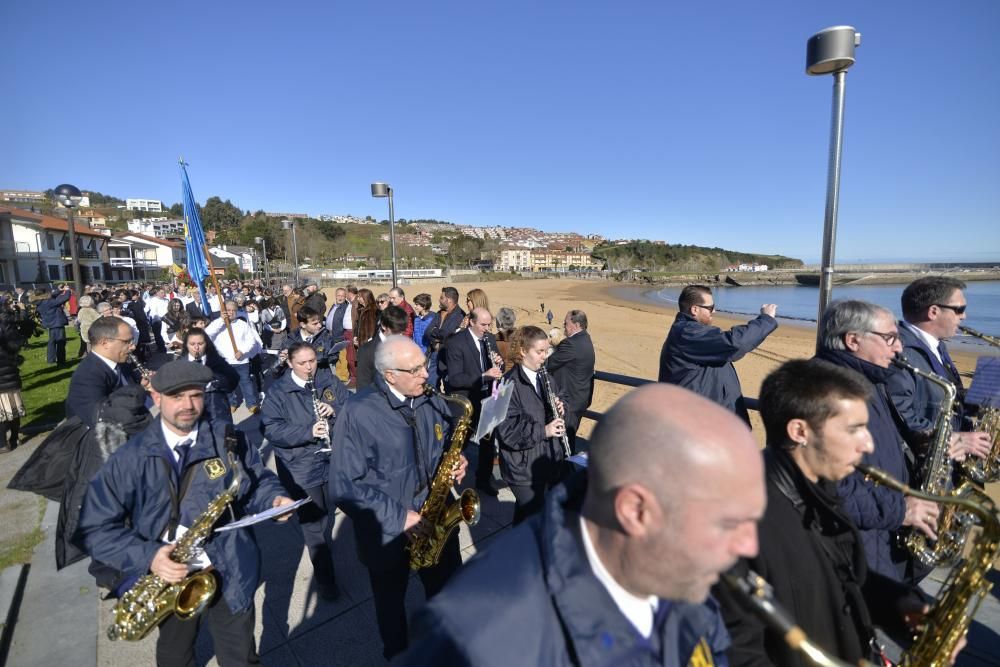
(506,319)
(386,355)
(86,301)
(104,307)
(842,317)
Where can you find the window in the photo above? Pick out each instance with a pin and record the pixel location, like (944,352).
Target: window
(53,272)
(50,242)
(97,272)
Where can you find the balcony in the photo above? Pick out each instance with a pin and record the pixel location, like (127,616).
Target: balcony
(83,254)
(126,263)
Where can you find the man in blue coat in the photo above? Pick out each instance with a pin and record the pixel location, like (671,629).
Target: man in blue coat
(299,431)
(155,487)
(616,569)
(387,444)
(53,317)
(699,357)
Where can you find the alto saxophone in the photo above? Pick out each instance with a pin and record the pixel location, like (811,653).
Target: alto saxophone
(443,518)
(966,586)
(145,605)
(954,522)
(988,469)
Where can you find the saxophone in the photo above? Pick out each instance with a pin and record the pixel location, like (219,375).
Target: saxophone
(988,469)
(151,599)
(444,518)
(964,589)
(954,522)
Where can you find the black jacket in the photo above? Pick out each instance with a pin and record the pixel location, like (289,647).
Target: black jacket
(13,336)
(572,367)
(316,301)
(365,363)
(463,362)
(546,607)
(224,381)
(811,554)
(526,455)
(92,382)
(442,330)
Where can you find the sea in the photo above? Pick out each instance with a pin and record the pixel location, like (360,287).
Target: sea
(800,303)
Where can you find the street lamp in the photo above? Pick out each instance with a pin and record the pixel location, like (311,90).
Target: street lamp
(831,51)
(69,196)
(385,190)
(290,224)
(261,241)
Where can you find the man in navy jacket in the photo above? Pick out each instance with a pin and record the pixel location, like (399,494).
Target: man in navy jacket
(616,569)
(53,317)
(102,371)
(387,445)
(699,357)
(159,482)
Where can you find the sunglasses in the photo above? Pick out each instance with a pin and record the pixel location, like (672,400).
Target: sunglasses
(959,310)
(710,307)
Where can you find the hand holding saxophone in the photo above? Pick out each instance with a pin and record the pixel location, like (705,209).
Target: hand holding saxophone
(922,515)
(169,570)
(972,443)
(458,471)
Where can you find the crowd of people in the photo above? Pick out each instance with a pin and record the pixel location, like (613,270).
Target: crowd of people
(613,559)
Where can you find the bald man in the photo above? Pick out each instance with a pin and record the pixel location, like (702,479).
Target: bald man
(617,567)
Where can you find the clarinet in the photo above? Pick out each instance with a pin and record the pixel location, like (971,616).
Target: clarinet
(143,371)
(316,404)
(551,397)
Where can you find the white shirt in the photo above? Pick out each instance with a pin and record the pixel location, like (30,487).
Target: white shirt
(202,560)
(347,316)
(405,399)
(532,375)
(639,611)
(247,340)
(479,348)
(201,361)
(929,340)
(298,381)
(157,306)
(111,364)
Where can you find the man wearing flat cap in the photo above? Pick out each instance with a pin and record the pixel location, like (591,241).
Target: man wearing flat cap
(155,487)
(315,299)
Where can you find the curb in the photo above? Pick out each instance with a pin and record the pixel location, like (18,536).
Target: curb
(14,605)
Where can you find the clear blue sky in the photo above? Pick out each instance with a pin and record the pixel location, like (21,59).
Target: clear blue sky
(692,122)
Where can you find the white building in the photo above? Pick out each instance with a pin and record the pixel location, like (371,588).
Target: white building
(167,253)
(160,228)
(34,248)
(244,257)
(152,205)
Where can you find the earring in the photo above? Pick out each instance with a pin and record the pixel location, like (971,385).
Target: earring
(802,444)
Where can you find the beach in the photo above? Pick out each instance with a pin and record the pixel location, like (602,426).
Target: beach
(628,335)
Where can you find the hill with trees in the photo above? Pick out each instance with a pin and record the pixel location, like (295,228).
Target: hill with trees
(659,257)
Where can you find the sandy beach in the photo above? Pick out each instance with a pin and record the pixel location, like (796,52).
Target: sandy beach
(628,335)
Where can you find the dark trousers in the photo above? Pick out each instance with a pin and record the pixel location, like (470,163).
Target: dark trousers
(247,387)
(484,466)
(317,533)
(232,635)
(56,351)
(527,500)
(9,432)
(389,591)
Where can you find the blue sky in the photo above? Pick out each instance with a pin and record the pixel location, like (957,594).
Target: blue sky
(689,122)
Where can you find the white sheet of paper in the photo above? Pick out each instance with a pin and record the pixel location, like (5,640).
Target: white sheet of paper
(494,410)
(262,516)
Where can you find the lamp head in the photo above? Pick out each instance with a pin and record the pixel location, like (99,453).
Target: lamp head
(68,195)
(831,50)
(381,189)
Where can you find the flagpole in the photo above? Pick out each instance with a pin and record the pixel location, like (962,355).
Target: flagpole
(222,303)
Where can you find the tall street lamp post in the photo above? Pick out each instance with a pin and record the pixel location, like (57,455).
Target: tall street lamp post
(831,51)
(69,196)
(385,190)
(290,224)
(261,241)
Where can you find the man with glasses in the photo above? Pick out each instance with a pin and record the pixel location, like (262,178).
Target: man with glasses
(933,309)
(699,357)
(863,337)
(103,371)
(387,443)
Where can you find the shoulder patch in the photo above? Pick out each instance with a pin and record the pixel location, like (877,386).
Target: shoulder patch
(438,431)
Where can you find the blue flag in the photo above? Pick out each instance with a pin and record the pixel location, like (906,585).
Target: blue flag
(194,240)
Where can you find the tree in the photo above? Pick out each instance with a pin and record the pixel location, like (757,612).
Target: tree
(177,210)
(218,215)
(464,250)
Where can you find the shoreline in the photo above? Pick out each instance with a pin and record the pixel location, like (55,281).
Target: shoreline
(806,278)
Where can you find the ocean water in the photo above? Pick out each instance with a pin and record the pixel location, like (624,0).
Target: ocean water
(801,303)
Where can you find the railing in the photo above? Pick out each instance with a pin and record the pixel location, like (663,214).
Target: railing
(630,381)
(126,263)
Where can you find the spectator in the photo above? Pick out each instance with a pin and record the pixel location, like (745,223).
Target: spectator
(84,318)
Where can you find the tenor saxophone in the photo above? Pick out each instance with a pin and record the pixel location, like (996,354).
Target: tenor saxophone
(954,522)
(966,586)
(441,517)
(145,605)
(986,469)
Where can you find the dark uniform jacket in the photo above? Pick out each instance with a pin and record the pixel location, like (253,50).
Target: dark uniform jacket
(439,334)
(381,466)
(876,510)
(288,417)
(128,506)
(323,343)
(572,367)
(92,382)
(224,381)
(546,607)
(811,554)
(526,455)
(700,358)
(465,376)
(365,363)
(51,311)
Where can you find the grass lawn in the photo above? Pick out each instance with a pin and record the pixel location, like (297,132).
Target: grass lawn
(44,386)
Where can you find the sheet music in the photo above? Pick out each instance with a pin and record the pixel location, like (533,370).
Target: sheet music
(494,410)
(262,516)
(985,387)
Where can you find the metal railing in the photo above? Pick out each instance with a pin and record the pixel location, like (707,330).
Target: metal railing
(631,381)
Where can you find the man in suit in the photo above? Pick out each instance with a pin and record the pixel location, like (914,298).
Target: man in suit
(933,309)
(392,321)
(102,371)
(473,366)
(53,317)
(195,308)
(572,367)
(449,323)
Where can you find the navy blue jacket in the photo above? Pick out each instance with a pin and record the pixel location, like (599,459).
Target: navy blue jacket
(51,311)
(127,508)
(288,417)
(876,510)
(323,343)
(546,607)
(337,319)
(92,382)
(526,455)
(700,358)
(439,334)
(224,381)
(380,468)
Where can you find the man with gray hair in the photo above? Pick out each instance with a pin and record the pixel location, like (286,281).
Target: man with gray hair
(863,337)
(224,332)
(387,443)
(397,297)
(617,567)
(572,367)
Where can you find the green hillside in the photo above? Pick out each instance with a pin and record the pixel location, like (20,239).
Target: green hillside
(683,258)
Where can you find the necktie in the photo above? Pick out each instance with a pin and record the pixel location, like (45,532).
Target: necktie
(538,386)
(181,450)
(949,364)
(484,354)
(121,377)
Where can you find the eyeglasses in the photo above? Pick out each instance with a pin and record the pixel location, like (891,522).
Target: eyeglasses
(383,301)
(710,307)
(889,338)
(959,310)
(123,340)
(415,371)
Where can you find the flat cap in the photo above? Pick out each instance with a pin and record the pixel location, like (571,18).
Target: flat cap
(180,374)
